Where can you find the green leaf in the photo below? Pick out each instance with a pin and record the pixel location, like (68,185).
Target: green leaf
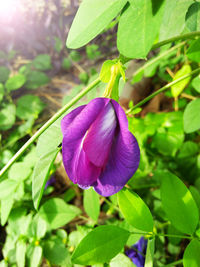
(193,51)
(58,44)
(91,19)
(55,251)
(188,149)
(50,139)
(6,207)
(4,74)
(121,261)
(36,79)
(41,175)
(19,222)
(7,188)
(39,227)
(19,171)
(196,83)
(135,38)
(15,82)
(29,105)
(192,17)
(178,203)
(57,213)
(177,88)
(7,117)
(167,143)
(36,256)
(150,253)
(173,20)
(191,257)
(3,263)
(135,210)
(100,245)
(42,62)
(1,91)
(196,195)
(20,253)
(91,203)
(191,118)
(66,63)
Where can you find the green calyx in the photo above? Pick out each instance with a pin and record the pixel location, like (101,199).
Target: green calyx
(111,72)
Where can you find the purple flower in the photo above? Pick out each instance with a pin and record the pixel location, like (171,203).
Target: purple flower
(98,149)
(51,181)
(137,252)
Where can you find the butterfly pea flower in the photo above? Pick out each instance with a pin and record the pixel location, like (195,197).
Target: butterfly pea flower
(98,149)
(137,252)
(50,182)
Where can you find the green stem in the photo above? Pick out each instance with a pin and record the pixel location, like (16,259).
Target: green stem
(112,205)
(172,264)
(189,35)
(48,123)
(160,234)
(152,61)
(162,90)
(175,236)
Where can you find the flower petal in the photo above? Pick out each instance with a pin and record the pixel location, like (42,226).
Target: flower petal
(83,119)
(78,168)
(74,127)
(68,119)
(123,160)
(99,137)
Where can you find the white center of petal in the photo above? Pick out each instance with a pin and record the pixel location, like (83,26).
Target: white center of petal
(109,120)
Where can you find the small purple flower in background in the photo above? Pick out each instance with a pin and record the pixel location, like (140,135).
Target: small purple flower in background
(98,149)
(137,252)
(51,181)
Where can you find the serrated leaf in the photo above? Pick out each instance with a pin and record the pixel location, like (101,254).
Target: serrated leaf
(100,245)
(135,210)
(178,203)
(191,118)
(57,213)
(41,175)
(92,18)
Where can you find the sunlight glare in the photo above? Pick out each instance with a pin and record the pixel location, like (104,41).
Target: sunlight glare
(8,8)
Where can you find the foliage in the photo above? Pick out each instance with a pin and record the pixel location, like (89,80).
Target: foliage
(162,200)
